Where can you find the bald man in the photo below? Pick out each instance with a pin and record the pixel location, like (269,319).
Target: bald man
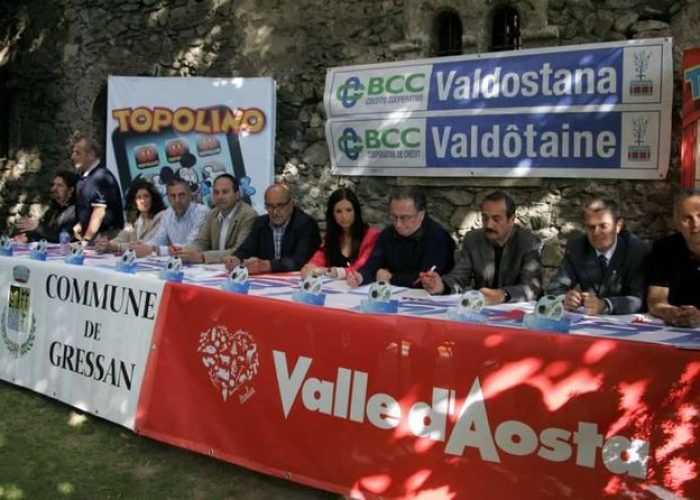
(674,283)
(283,240)
(98,201)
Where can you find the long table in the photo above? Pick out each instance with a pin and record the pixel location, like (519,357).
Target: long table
(366,405)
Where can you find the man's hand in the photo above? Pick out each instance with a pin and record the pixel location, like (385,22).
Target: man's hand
(27,224)
(190,255)
(142,249)
(383,275)
(257,266)
(231,261)
(592,305)
(174,250)
(432,282)
(20,238)
(78,231)
(493,296)
(683,316)
(573,300)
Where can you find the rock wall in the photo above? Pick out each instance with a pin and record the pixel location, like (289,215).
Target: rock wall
(55,58)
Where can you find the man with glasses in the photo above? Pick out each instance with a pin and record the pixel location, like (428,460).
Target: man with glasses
(411,246)
(604,270)
(283,240)
(501,260)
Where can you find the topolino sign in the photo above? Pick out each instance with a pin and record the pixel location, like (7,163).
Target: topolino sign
(601,110)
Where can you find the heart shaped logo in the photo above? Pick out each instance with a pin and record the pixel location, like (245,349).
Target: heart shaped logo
(231,360)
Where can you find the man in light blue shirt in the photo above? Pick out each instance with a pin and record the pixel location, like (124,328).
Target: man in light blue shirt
(179,224)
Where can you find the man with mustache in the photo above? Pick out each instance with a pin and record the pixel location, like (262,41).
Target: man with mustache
(604,270)
(58,218)
(501,260)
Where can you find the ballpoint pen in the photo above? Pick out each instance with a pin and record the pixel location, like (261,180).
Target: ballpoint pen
(422,274)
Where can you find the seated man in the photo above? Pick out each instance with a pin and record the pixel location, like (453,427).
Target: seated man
(98,201)
(412,245)
(58,218)
(178,225)
(674,281)
(603,271)
(225,228)
(283,240)
(501,260)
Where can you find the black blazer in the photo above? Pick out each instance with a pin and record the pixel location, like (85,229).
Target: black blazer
(407,256)
(625,279)
(301,239)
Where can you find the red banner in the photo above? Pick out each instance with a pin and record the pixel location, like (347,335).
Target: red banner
(376,405)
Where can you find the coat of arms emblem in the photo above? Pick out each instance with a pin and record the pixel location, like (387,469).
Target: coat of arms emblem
(18,326)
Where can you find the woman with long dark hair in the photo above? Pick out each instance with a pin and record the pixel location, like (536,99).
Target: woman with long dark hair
(349,240)
(144,207)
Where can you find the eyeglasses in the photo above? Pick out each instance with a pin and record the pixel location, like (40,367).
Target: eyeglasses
(403,219)
(276,206)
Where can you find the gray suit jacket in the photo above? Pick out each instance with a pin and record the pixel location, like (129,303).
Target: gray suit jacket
(207,240)
(624,281)
(520,272)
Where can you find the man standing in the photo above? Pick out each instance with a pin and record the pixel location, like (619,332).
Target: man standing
(411,246)
(178,225)
(283,240)
(501,260)
(674,284)
(98,202)
(603,271)
(225,228)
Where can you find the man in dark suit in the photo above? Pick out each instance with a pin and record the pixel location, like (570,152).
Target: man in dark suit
(603,271)
(283,240)
(501,260)
(413,244)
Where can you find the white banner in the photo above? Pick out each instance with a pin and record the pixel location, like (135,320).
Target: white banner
(80,335)
(226,124)
(599,110)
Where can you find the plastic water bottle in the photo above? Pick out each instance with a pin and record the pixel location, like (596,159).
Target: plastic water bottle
(64,240)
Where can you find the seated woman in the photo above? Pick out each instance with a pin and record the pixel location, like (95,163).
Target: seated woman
(59,217)
(349,240)
(144,208)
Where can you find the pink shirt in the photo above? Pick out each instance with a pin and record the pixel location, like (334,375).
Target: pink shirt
(366,247)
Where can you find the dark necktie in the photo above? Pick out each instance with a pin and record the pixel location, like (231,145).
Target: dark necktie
(603,263)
